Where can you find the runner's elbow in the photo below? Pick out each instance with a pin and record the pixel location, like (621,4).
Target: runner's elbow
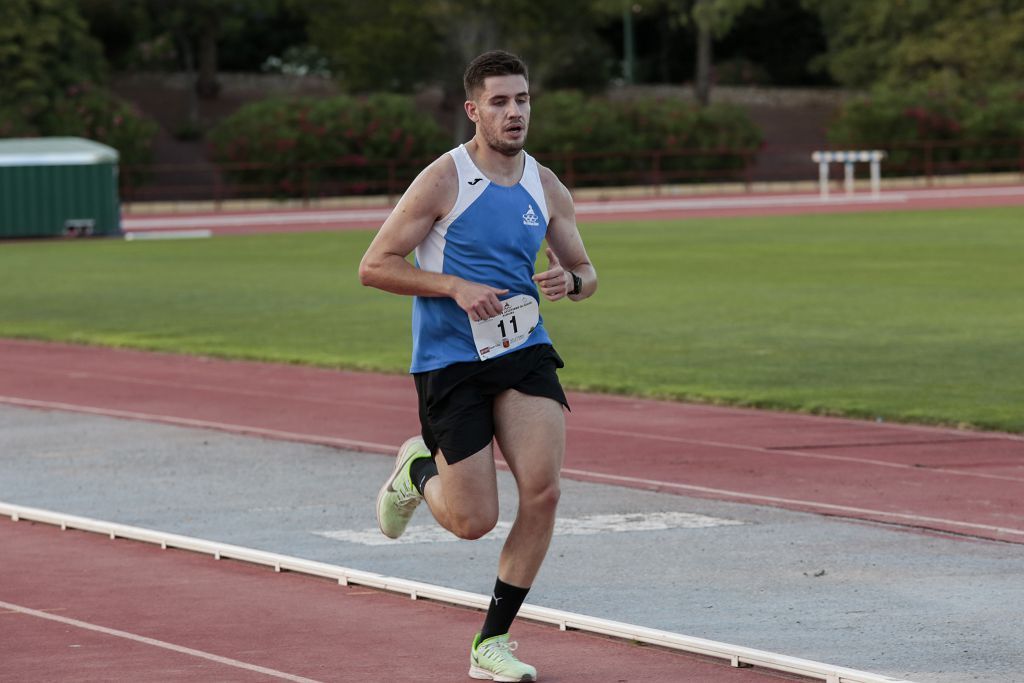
(368,271)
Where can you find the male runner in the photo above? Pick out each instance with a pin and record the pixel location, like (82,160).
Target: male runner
(483,364)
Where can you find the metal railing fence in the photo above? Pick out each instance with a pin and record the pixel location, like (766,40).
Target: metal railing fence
(653,169)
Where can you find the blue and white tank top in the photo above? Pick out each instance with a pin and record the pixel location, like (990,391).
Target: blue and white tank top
(491,236)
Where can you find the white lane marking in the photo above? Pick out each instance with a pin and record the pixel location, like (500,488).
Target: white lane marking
(138,223)
(793,453)
(581,526)
(742,201)
(204,424)
(168,235)
(216,388)
(632,402)
(916,520)
(738,202)
(803,504)
(943,193)
(155,643)
(269,218)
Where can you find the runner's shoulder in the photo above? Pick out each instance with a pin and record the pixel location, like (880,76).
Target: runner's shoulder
(437,185)
(555,190)
(440,173)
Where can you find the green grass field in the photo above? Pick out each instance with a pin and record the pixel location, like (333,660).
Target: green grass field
(911,316)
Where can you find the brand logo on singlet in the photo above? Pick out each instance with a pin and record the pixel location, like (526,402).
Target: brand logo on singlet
(530,218)
(474,181)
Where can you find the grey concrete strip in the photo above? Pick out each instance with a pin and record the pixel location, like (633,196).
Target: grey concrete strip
(924,607)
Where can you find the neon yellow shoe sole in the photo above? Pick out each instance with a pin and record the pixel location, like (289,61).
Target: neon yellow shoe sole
(492,660)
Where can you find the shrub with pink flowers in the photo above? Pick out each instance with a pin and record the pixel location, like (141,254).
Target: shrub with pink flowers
(936,131)
(338,146)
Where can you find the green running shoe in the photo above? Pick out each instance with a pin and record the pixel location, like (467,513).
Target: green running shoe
(492,660)
(398,498)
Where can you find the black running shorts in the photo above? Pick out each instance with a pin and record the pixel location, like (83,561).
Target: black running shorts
(457,401)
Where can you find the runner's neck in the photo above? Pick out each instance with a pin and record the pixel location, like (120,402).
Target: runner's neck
(499,169)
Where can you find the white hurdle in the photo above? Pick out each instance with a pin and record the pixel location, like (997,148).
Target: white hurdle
(848,158)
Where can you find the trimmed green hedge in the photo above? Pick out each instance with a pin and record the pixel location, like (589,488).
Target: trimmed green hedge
(339,145)
(609,141)
(983,134)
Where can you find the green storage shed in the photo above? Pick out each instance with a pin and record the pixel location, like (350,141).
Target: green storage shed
(58,186)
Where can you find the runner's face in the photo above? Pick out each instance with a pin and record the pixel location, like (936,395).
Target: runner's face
(501,111)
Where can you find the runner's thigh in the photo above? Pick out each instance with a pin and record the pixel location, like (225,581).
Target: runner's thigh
(531,433)
(470,486)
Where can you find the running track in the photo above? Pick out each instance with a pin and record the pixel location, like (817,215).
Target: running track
(58,596)
(925,478)
(945,480)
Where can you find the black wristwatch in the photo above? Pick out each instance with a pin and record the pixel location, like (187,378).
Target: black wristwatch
(577,284)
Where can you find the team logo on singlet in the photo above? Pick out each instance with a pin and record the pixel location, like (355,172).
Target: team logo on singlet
(530,218)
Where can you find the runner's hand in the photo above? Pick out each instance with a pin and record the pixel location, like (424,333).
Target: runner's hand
(480,302)
(555,282)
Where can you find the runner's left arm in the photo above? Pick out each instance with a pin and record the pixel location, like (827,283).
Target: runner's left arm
(566,253)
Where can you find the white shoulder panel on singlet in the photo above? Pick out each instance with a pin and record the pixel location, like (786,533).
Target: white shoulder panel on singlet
(472,183)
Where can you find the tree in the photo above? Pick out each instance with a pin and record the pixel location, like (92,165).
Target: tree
(52,82)
(755,39)
(372,47)
(712,20)
(196,28)
(370,44)
(45,50)
(962,44)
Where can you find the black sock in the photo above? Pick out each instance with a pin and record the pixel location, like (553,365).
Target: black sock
(505,604)
(420,471)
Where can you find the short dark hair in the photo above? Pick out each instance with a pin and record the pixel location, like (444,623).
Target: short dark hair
(493,63)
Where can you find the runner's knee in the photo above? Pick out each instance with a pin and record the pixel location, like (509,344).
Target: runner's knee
(472,527)
(542,499)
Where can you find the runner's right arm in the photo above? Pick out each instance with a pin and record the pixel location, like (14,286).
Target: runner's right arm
(429,198)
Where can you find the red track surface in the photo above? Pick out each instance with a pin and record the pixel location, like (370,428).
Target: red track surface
(941,479)
(292,625)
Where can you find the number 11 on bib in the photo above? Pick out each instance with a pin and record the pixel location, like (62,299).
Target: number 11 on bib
(504,332)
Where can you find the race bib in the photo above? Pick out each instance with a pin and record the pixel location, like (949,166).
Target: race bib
(505,332)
